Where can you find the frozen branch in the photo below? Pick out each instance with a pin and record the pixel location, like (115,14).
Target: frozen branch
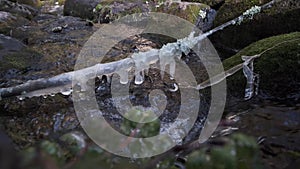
(59,83)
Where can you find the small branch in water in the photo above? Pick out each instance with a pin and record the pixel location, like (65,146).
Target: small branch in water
(40,86)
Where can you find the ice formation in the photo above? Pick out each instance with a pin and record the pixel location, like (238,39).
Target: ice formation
(252,78)
(142,61)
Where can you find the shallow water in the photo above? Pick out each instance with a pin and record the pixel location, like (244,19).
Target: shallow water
(277,129)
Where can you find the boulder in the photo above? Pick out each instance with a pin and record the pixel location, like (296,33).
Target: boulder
(13,25)
(278,68)
(33,3)
(107,11)
(18,9)
(80,8)
(281,18)
(14,54)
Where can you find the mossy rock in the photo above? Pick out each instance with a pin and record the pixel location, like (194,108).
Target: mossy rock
(278,68)
(33,3)
(19,60)
(281,18)
(185,10)
(107,11)
(232,8)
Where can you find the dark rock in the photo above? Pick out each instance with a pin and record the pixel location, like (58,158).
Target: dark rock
(8,156)
(18,9)
(206,23)
(80,8)
(33,3)
(15,55)
(8,44)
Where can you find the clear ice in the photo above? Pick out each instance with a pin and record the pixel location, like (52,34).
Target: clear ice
(142,61)
(252,78)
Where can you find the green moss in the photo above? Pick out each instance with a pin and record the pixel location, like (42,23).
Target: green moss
(259,47)
(189,13)
(278,68)
(148,129)
(232,8)
(19,60)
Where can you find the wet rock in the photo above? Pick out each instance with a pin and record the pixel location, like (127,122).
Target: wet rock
(33,3)
(279,19)
(5,16)
(108,11)
(186,10)
(15,54)
(13,25)
(278,68)
(18,9)
(80,8)
(9,158)
(8,44)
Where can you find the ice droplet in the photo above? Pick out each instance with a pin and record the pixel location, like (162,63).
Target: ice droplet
(21,98)
(139,79)
(66,92)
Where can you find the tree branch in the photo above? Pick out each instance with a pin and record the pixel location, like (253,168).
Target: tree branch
(57,83)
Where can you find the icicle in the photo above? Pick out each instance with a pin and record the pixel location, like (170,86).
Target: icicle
(123,76)
(167,56)
(252,78)
(142,61)
(139,79)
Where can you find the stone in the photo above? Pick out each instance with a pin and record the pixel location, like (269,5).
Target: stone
(278,68)
(80,8)
(14,54)
(33,3)
(18,9)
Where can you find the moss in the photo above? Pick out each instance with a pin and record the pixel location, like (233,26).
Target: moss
(278,68)
(232,8)
(33,3)
(190,12)
(19,60)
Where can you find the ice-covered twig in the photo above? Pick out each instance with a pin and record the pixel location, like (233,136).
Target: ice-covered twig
(65,80)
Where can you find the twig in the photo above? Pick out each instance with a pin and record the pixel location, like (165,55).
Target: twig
(65,79)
